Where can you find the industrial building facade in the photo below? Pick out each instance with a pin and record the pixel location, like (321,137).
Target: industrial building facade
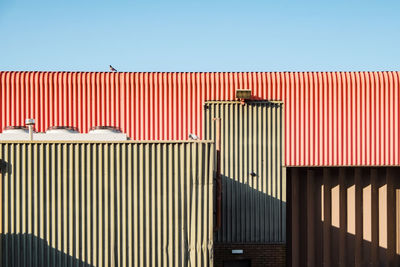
(306,165)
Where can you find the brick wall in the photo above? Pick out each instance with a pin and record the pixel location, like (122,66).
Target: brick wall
(259,254)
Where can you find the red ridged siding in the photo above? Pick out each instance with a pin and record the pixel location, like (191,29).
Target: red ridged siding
(331,118)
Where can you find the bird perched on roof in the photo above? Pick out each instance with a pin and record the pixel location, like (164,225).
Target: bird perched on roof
(112,68)
(193,137)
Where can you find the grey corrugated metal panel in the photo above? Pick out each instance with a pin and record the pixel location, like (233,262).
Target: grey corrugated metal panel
(344,216)
(253,208)
(99,204)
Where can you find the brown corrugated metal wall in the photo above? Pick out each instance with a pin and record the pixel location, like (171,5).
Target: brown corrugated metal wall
(344,216)
(107,204)
(253,177)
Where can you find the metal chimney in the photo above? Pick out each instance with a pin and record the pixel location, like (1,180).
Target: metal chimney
(30,123)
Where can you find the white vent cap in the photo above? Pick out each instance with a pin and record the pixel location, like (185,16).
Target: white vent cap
(104,130)
(30,121)
(15,130)
(62,130)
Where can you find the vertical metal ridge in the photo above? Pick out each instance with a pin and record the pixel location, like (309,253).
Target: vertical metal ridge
(331,118)
(98,204)
(2,178)
(351,216)
(253,208)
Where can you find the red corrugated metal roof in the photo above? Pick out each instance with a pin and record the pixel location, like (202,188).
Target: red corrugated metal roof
(331,118)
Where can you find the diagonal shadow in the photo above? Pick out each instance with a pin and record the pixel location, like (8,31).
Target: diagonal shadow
(250,214)
(30,250)
(254,221)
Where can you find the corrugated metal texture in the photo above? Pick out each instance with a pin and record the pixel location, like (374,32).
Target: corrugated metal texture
(344,216)
(253,206)
(332,118)
(107,204)
(147,106)
(343,119)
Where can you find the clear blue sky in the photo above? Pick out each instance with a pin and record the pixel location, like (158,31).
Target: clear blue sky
(88,35)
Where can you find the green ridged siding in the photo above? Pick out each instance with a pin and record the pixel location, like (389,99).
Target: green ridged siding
(253,208)
(107,204)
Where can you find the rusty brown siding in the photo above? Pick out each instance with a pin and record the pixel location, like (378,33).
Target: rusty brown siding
(344,216)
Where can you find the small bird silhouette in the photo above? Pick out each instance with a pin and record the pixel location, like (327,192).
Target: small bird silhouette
(193,137)
(112,68)
(253,174)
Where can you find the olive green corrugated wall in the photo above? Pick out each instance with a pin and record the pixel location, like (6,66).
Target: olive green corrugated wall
(253,206)
(106,204)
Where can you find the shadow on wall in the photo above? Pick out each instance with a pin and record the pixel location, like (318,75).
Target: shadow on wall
(27,249)
(5,167)
(252,212)
(343,216)
(370,253)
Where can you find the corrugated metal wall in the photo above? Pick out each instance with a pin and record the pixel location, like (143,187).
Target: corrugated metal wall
(253,206)
(332,118)
(107,204)
(344,216)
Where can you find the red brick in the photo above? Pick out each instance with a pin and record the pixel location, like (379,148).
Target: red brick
(259,254)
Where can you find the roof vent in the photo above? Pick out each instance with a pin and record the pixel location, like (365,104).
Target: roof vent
(15,130)
(104,130)
(65,133)
(59,133)
(106,133)
(62,130)
(243,93)
(15,133)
